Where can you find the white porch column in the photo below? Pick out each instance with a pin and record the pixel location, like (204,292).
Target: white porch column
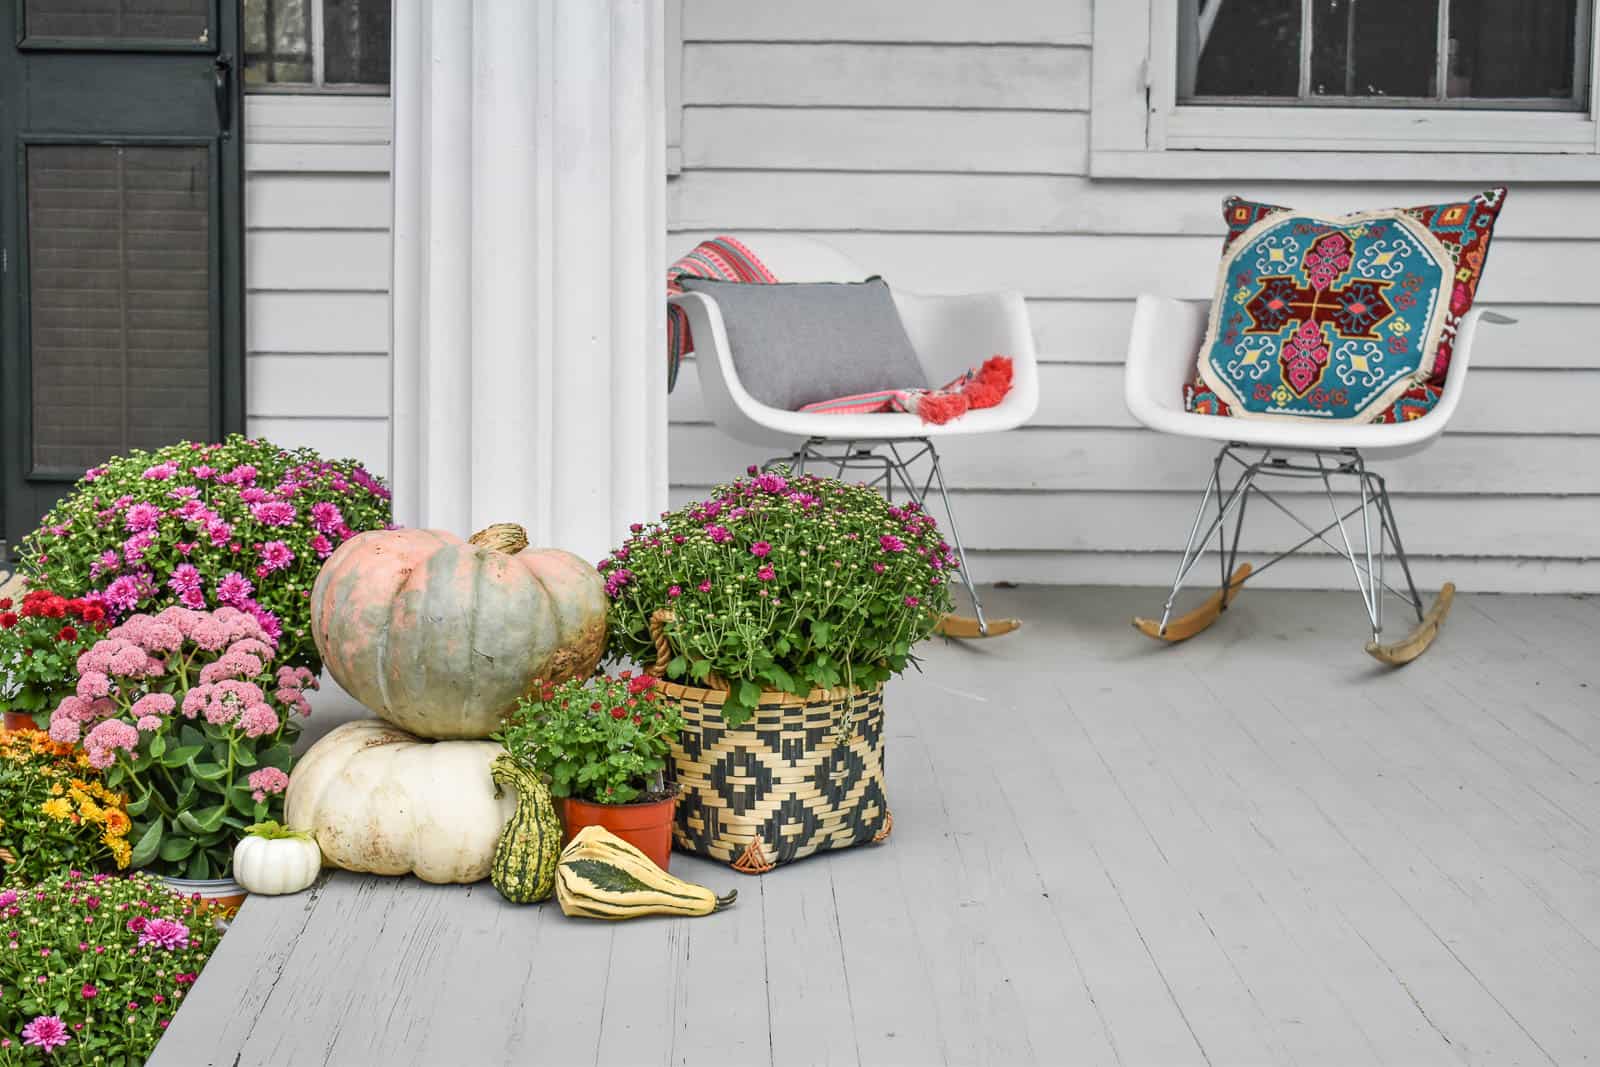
(529,235)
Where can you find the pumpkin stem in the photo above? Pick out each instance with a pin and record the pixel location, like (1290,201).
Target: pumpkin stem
(505,537)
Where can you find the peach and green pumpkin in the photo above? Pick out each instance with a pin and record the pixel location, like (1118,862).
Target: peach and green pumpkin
(440,636)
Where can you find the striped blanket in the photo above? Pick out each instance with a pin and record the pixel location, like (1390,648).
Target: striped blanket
(980,387)
(721,257)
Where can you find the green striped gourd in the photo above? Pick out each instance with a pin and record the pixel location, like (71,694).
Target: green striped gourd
(601,876)
(524,868)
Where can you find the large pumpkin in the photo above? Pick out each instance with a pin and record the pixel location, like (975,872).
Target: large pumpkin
(382,801)
(441,636)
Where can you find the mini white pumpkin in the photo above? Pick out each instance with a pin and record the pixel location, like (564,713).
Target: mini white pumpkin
(274,860)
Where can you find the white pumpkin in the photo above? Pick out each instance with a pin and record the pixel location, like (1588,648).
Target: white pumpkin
(273,861)
(383,801)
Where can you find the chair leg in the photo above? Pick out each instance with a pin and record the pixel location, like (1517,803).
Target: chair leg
(1421,638)
(1233,574)
(956,626)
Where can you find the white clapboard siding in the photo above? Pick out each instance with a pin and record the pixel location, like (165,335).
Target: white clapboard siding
(943,145)
(952,21)
(317,217)
(364,440)
(884,139)
(885,75)
(754,197)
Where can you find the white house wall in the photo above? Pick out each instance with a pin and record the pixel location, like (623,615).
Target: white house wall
(317,221)
(944,144)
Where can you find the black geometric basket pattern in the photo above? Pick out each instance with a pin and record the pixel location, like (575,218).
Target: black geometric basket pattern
(801,776)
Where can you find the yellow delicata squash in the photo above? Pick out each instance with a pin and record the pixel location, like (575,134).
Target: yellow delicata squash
(601,876)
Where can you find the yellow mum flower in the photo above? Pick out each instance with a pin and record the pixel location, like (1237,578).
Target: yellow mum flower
(59,808)
(121,851)
(56,790)
(117,823)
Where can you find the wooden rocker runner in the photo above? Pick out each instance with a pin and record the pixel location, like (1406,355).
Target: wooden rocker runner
(1360,527)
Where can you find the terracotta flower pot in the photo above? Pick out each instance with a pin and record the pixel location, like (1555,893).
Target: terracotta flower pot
(647,826)
(19,720)
(219,897)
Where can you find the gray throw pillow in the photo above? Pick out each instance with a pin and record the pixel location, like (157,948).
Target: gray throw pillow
(796,344)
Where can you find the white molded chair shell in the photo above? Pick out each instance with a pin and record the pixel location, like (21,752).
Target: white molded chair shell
(950,334)
(1161,359)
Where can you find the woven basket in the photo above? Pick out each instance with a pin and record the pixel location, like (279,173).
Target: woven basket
(804,774)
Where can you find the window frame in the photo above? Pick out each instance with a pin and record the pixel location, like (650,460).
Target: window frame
(318,86)
(1138,129)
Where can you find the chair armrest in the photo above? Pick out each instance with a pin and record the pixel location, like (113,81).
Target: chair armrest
(1161,353)
(1461,358)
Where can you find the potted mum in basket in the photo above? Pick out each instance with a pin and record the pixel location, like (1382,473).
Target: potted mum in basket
(604,743)
(775,612)
(188,714)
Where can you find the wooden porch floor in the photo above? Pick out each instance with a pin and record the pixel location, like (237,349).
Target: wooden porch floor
(1259,847)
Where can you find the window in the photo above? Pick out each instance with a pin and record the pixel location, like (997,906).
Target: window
(311,45)
(1332,89)
(1412,53)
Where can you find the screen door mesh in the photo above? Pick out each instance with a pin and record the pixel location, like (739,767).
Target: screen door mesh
(119,20)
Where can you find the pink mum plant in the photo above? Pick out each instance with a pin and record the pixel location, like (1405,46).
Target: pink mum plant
(190,714)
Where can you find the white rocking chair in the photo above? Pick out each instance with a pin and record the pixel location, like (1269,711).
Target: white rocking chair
(949,333)
(1167,335)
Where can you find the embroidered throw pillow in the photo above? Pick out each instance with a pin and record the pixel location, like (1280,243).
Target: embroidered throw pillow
(1463,230)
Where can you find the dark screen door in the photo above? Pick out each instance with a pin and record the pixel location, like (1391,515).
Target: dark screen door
(121,236)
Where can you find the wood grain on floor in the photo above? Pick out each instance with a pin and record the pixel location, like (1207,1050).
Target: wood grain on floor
(1257,847)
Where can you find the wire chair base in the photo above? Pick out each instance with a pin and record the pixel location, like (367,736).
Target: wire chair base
(1236,476)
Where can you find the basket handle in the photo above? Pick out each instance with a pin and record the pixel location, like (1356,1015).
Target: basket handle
(658,633)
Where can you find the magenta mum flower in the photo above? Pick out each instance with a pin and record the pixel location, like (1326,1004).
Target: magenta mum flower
(273,513)
(275,555)
(761,549)
(766,574)
(891,543)
(141,517)
(164,933)
(234,589)
(46,1032)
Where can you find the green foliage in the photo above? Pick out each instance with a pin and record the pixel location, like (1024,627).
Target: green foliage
(785,583)
(605,740)
(110,957)
(252,520)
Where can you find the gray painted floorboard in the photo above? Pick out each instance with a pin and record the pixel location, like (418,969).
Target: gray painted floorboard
(1256,848)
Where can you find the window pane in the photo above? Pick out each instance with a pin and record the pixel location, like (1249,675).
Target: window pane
(1374,47)
(1242,47)
(1522,50)
(119,280)
(356,42)
(277,42)
(122,20)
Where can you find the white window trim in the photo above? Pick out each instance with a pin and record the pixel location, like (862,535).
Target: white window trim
(1139,130)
